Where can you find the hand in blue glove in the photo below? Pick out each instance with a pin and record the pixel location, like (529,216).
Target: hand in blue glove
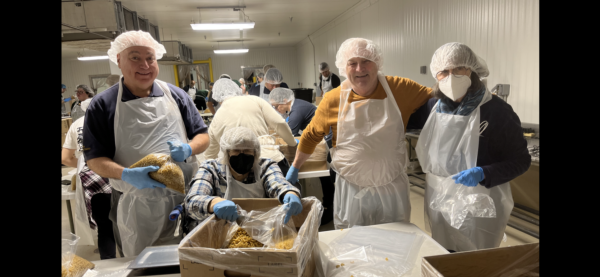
(67,99)
(297,141)
(139,178)
(226,210)
(287,119)
(179,151)
(470,177)
(292,175)
(295,207)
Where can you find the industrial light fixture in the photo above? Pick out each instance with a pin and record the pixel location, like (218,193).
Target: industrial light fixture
(229,51)
(91,58)
(222,26)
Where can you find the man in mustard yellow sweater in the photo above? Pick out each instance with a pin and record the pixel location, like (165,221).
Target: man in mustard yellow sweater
(368,114)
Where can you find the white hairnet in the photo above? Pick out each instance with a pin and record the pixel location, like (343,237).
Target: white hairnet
(455,54)
(239,138)
(224,76)
(358,47)
(85,103)
(134,38)
(242,81)
(260,75)
(225,88)
(273,76)
(281,95)
(87,89)
(323,67)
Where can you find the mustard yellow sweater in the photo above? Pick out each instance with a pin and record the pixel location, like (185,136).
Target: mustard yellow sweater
(409,96)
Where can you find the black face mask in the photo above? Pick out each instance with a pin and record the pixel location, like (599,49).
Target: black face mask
(241,163)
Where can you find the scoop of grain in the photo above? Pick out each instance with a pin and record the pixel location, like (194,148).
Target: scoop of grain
(77,268)
(169,173)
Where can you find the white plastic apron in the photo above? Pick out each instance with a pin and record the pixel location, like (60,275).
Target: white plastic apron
(448,144)
(370,159)
(77,111)
(143,126)
(237,189)
(81,222)
(263,95)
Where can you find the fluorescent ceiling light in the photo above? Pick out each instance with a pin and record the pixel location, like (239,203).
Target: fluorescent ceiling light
(223,26)
(92,58)
(231,51)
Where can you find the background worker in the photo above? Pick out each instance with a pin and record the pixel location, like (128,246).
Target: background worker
(269,66)
(476,138)
(252,113)
(273,79)
(298,114)
(191,89)
(255,89)
(83,93)
(129,121)
(327,79)
(369,153)
(246,175)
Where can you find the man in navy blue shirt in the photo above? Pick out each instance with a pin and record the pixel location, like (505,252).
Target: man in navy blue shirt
(139,116)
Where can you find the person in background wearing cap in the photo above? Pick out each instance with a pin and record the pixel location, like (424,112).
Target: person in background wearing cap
(255,89)
(246,175)
(298,114)
(466,123)
(273,79)
(243,86)
(213,105)
(269,66)
(92,200)
(368,113)
(327,79)
(129,121)
(252,113)
(191,89)
(83,93)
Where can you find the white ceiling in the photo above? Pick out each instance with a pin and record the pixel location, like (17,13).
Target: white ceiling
(273,26)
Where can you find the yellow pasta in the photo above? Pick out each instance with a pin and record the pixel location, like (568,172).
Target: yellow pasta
(241,239)
(285,244)
(169,173)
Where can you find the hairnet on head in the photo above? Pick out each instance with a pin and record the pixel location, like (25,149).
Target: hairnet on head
(323,67)
(242,81)
(261,75)
(358,47)
(281,96)
(455,54)
(85,104)
(267,67)
(63,86)
(239,138)
(112,79)
(273,76)
(224,76)
(87,89)
(225,88)
(134,38)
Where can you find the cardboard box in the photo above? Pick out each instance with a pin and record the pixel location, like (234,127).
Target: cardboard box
(318,100)
(65,125)
(519,260)
(316,162)
(205,244)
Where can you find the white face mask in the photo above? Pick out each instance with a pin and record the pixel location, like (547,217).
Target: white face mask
(455,86)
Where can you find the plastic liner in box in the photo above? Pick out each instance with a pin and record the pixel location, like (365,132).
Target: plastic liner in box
(206,248)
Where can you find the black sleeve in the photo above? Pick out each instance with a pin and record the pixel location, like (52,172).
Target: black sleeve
(418,118)
(98,132)
(335,81)
(186,88)
(507,145)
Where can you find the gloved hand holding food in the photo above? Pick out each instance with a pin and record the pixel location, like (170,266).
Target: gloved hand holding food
(470,177)
(139,178)
(295,207)
(226,210)
(179,151)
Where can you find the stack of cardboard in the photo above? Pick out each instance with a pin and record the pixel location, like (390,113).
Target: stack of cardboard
(200,253)
(317,160)
(66,123)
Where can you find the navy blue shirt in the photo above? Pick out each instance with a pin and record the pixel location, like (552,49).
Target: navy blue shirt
(502,152)
(255,90)
(300,116)
(99,125)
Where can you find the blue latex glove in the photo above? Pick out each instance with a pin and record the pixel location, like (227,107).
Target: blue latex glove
(292,175)
(175,213)
(226,210)
(139,178)
(297,141)
(293,202)
(67,99)
(287,119)
(470,177)
(179,151)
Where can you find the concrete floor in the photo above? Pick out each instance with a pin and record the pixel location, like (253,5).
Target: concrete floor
(513,236)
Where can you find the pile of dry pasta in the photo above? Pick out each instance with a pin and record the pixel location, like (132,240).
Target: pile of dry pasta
(241,239)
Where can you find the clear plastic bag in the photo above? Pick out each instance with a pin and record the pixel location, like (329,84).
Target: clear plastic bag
(68,247)
(456,201)
(393,252)
(169,173)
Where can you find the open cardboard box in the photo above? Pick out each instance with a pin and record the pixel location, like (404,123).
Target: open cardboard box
(205,245)
(316,162)
(513,261)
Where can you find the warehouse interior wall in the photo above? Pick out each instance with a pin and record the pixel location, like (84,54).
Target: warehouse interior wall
(284,58)
(505,33)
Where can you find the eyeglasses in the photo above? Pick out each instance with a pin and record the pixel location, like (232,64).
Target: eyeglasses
(456,71)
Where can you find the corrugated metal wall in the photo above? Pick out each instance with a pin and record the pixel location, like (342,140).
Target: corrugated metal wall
(284,58)
(503,32)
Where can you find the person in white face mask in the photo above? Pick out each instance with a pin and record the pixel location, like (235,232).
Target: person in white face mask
(471,141)
(239,173)
(367,113)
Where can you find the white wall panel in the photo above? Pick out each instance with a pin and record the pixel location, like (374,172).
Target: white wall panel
(75,72)
(503,32)
(166,73)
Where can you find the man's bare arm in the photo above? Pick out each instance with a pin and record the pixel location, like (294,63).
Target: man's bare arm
(199,143)
(106,167)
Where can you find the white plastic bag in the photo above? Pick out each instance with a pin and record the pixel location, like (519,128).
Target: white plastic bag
(68,247)
(457,201)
